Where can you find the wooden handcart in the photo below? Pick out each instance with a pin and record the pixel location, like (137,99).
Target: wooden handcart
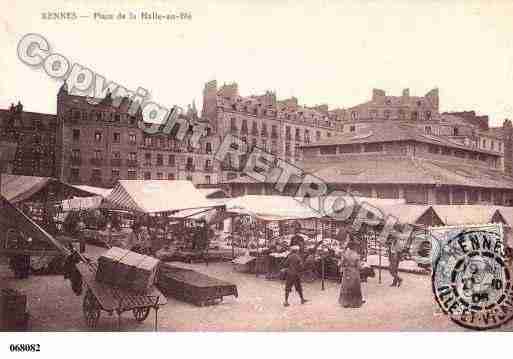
(104,297)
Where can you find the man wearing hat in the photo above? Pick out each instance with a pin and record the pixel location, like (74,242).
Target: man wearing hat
(294,266)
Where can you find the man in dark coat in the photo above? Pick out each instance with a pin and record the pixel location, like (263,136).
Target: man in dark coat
(294,266)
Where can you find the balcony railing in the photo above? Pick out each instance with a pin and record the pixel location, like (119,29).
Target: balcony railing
(189,168)
(96,161)
(131,163)
(116,162)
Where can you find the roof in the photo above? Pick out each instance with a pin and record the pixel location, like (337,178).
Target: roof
(453,215)
(408,170)
(17,188)
(104,192)
(153,196)
(392,131)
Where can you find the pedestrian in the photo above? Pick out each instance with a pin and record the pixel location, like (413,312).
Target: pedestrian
(351,288)
(394,257)
(294,267)
(298,240)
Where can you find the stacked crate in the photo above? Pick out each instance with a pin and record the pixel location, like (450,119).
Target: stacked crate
(13,310)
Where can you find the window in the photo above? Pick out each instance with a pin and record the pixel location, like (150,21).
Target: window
(75,154)
(97,154)
(492,145)
(97,136)
(428,129)
(264,145)
(373,147)
(171,176)
(233,124)
(116,155)
(132,156)
(160,159)
(352,128)
(434,149)
(354,116)
(287,149)
(117,137)
(76,135)
(147,141)
(455,131)
(386,114)
(484,143)
(373,114)
(274,131)
(264,129)
(84,116)
(147,158)
(318,135)
(208,180)
(348,148)
(208,164)
(328,134)
(500,146)
(160,175)
(253,143)
(115,174)
(116,117)
(208,148)
(287,132)
(132,174)
(132,138)
(75,174)
(189,178)
(428,115)
(307,136)
(328,150)
(147,175)
(298,134)
(171,160)
(96,174)
(446,151)
(76,114)
(414,116)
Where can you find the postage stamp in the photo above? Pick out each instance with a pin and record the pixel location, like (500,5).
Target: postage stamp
(470,279)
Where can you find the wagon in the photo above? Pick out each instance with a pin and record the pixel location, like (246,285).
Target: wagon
(105,297)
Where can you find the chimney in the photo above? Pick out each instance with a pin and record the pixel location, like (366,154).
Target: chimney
(406,93)
(378,94)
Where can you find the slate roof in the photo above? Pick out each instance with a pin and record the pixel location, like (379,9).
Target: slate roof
(393,131)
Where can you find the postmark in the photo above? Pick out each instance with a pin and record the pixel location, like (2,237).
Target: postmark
(470,279)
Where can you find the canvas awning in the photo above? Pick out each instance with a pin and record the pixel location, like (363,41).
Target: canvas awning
(271,208)
(104,192)
(453,215)
(155,196)
(17,188)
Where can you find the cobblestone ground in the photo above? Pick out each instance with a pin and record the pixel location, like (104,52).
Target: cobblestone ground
(54,307)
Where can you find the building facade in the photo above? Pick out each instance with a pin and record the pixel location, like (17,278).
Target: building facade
(35,135)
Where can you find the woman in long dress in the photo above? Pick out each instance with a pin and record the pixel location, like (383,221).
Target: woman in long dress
(351,290)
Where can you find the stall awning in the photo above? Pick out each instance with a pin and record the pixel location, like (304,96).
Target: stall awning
(104,192)
(270,207)
(16,188)
(453,215)
(155,196)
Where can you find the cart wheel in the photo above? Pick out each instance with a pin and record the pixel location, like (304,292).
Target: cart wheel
(140,314)
(91,309)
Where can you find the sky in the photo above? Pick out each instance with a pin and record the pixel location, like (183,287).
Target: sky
(332,52)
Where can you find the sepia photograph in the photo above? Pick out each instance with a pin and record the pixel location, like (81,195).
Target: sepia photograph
(246,166)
